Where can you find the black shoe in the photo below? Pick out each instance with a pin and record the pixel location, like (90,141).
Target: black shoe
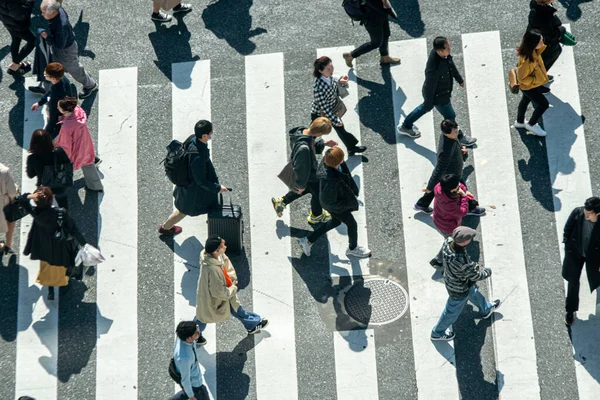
(550,78)
(36,89)
(436,263)
(495,305)
(261,325)
(97,161)
(182,8)
(161,17)
(51,293)
(88,92)
(569,318)
(356,149)
(201,340)
(468,141)
(94,191)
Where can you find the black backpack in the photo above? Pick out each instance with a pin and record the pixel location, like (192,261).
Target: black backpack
(354,9)
(173,373)
(177,162)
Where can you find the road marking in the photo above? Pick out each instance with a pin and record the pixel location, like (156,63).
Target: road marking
(501,227)
(434,362)
(354,364)
(273,294)
(117,361)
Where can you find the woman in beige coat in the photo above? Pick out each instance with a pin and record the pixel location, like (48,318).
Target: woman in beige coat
(8,192)
(217,298)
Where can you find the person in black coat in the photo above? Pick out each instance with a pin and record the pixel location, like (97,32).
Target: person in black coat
(61,88)
(582,246)
(543,18)
(440,73)
(378,26)
(199,196)
(56,256)
(338,195)
(16,17)
(43,153)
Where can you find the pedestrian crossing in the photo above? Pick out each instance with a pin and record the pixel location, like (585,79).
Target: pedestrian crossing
(279,367)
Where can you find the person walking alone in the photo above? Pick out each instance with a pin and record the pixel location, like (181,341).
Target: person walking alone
(460,277)
(200,194)
(8,192)
(186,363)
(582,246)
(16,18)
(306,143)
(176,5)
(378,26)
(327,102)
(532,76)
(440,73)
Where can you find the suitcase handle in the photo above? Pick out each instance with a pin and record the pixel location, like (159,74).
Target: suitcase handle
(230,200)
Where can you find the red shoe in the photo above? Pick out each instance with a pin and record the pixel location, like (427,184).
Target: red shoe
(176,230)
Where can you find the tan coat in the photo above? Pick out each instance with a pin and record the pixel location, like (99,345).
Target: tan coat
(8,191)
(532,74)
(214,297)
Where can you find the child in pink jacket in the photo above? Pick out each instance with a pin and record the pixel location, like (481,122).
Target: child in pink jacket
(76,141)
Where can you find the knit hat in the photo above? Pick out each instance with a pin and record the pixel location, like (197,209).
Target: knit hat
(463,233)
(212,243)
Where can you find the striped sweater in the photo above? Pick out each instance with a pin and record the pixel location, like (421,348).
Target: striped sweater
(460,273)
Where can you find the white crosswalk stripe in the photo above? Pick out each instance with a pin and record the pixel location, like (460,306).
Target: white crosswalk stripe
(277,373)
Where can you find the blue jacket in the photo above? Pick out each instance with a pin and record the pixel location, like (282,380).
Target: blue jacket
(186,362)
(61,33)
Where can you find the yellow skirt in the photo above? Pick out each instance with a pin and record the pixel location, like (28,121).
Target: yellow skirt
(52,275)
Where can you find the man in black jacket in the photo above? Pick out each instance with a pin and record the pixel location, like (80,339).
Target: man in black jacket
(306,143)
(543,18)
(450,160)
(378,26)
(16,17)
(61,88)
(582,246)
(440,74)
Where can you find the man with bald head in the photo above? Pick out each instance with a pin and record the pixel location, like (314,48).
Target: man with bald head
(64,47)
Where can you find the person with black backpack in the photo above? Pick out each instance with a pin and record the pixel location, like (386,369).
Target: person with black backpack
(191,170)
(184,368)
(373,14)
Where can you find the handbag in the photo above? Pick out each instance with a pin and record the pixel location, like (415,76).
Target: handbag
(287,175)
(89,256)
(57,176)
(340,108)
(342,91)
(512,81)
(568,39)
(14,211)
(61,233)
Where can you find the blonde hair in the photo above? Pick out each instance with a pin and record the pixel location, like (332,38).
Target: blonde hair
(320,126)
(333,157)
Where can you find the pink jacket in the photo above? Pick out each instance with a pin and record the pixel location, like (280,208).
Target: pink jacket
(75,138)
(448,212)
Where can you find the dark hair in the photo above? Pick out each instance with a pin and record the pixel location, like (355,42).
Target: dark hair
(45,200)
(529,43)
(68,104)
(439,43)
(55,70)
(592,204)
(186,329)
(203,127)
(448,183)
(448,126)
(41,142)
(319,65)
(25,398)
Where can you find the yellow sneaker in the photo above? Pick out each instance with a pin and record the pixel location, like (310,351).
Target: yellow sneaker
(324,217)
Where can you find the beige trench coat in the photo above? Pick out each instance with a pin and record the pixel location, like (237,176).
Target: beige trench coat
(214,297)
(8,191)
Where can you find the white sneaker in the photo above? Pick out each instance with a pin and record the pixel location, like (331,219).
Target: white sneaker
(303,242)
(519,125)
(359,251)
(535,129)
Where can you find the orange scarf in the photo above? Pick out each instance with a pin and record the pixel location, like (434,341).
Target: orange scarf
(228,281)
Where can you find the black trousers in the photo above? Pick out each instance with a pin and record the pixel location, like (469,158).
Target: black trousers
(346,137)
(17,37)
(551,54)
(200,393)
(52,126)
(535,95)
(336,219)
(572,300)
(379,32)
(313,189)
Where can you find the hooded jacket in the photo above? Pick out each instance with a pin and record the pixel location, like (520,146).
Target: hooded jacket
(460,273)
(304,156)
(338,191)
(75,138)
(543,18)
(440,73)
(448,212)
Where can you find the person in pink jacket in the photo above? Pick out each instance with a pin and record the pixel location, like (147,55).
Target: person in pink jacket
(452,201)
(76,141)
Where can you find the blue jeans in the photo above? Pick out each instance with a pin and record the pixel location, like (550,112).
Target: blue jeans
(249,319)
(454,307)
(446,110)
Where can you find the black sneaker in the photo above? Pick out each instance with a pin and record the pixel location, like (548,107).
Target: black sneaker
(550,78)
(182,8)
(356,149)
(97,161)
(201,340)
(88,92)
(477,212)
(426,210)
(261,325)
(569,318)
(468,141)
(446,337)
(435,263)
(36,89)
(495,305)
(161,17)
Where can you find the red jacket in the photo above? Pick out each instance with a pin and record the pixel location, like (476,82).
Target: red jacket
(448,212)
(75,139)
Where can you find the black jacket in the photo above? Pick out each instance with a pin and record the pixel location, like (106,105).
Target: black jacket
(41,244)
(544,19)
(200,195)
(573,262)
(450,160)
(16,14)
(61,32)
(36,163)
(439,76)
(304,156)
(56,92)
(338,191)
(376,14)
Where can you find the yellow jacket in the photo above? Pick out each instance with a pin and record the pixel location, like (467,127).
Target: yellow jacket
(531,74)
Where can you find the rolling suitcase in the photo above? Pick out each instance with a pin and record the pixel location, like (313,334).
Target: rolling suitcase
(226,221)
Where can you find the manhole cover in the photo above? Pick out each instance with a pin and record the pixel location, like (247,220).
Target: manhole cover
(376,301)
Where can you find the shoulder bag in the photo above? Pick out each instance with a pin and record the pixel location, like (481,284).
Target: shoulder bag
(57,176)
(513,83)
(14,211)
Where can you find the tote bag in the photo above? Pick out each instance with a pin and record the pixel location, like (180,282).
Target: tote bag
(57,176)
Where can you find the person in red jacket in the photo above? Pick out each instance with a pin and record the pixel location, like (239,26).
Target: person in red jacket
(452,201)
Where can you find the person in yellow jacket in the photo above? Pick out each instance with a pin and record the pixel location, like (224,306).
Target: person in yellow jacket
(217,298)
(532,76)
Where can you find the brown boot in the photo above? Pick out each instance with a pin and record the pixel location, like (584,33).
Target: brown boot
(389,60)
(348,57)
